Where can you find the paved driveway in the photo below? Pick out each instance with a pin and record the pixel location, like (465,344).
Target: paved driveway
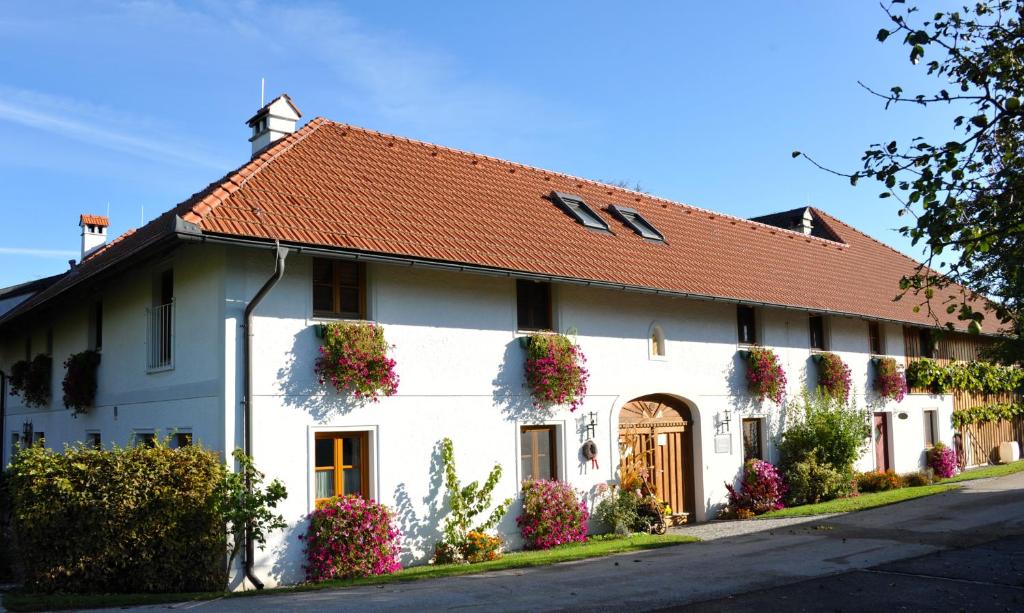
(777,554)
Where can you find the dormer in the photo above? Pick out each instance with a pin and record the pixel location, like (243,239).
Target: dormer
(273,122)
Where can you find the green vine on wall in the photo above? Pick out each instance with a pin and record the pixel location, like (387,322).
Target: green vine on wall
(989,412)
(978,377)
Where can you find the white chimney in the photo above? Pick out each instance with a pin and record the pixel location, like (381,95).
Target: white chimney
(273,122)
(94,233)
(806,222)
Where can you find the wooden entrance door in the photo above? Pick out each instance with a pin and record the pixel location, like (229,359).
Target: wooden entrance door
(881,441)
(655,441)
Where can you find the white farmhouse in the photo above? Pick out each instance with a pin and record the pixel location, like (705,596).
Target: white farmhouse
(457,256)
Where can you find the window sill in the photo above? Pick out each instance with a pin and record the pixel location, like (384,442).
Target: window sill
(319,319)
(657,358)
(159,369)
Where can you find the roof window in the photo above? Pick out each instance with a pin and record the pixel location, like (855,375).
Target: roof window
(574,205)
(637,223)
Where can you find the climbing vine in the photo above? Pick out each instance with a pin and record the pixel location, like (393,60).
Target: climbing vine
(989,412)
(978,377)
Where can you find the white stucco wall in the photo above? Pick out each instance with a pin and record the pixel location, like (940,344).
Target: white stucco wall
(460,366)
(128,399)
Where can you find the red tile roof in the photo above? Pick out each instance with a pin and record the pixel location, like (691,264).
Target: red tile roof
(339,186)
(93,220)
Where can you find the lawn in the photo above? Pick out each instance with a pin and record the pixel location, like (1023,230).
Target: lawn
(862,502)
(1000,470)
(597,546)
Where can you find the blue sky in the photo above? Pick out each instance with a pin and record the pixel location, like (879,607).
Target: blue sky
(136,105)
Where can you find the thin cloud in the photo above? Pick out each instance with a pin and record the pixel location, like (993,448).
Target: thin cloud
(70,120)
(38,253)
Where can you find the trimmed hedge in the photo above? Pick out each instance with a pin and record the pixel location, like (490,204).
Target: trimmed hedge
(136,519)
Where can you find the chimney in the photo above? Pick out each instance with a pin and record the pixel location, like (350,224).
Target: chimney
(805,223)
(94,233)
(272,123)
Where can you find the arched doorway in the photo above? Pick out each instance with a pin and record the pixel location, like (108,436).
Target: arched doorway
(656,440)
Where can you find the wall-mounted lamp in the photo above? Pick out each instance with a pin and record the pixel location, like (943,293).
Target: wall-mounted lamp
(591,425)
(726,419)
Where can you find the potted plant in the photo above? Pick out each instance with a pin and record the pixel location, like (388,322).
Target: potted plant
(556,371)
(353,358)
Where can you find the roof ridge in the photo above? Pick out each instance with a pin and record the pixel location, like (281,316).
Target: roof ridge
(545,171)
(231,182)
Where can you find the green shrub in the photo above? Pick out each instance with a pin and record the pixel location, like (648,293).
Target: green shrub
(627,512)
(878,481)
(824,426)
(915,479)
(137,519)
(466,503)
(811,482)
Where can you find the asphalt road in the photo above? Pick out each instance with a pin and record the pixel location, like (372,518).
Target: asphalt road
(962,550)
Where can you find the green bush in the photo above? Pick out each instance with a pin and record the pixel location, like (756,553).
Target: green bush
(879,481)
(916,479)
(827,427)
(137,519)
(811,482)
(626,512)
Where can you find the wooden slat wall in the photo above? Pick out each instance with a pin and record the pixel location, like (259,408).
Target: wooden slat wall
(968,400)
(951,346)
(981,440)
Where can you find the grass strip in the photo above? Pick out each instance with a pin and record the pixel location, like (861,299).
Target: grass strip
(597,546)
(987,472)
(860,503)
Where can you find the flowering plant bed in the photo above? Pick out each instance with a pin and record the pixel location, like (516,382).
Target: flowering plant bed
(552,515)
(353,358)
(833,376)
(761,490)
(350,537)
(556,371)
(80,380)
(889,381)
(942,460)
(765,376)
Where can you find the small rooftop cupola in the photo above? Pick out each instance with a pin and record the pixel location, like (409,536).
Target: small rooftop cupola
(94,233)
(273,122)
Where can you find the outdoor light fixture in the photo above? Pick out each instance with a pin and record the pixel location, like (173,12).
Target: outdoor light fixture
(26,432)
(591,425)
(726,419)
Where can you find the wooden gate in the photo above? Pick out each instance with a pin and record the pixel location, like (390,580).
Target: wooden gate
(655,440)
(980,440)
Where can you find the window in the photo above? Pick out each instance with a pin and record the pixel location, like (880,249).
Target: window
(39,438)
(339,289)
(637,223)
(182,439)
(746,324)
(341,461)
(926,343)
(537,451)
(875,338)
(145,439)
(94,440)
(752,437)
(578,210)
(657,342)
(96,326)
(533,305)
(817,326)
(931,428)
(160,333)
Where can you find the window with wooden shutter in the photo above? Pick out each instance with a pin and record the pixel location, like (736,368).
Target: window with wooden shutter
(533,305)
(339,289)
(817,329)
(538,451)
(341,464)
(746,324)
(875,338)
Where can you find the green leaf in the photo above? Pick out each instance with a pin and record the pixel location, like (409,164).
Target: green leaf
(882,35)
(1012,104)
(979,120)
(796,154)
(916,53)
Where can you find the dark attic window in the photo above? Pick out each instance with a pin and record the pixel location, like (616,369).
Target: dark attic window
(574,206)
(637,223)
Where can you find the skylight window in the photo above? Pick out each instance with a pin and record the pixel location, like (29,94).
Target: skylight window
(637,223)
(574,205)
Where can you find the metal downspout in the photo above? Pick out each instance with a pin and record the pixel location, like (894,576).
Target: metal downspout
(282,253)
